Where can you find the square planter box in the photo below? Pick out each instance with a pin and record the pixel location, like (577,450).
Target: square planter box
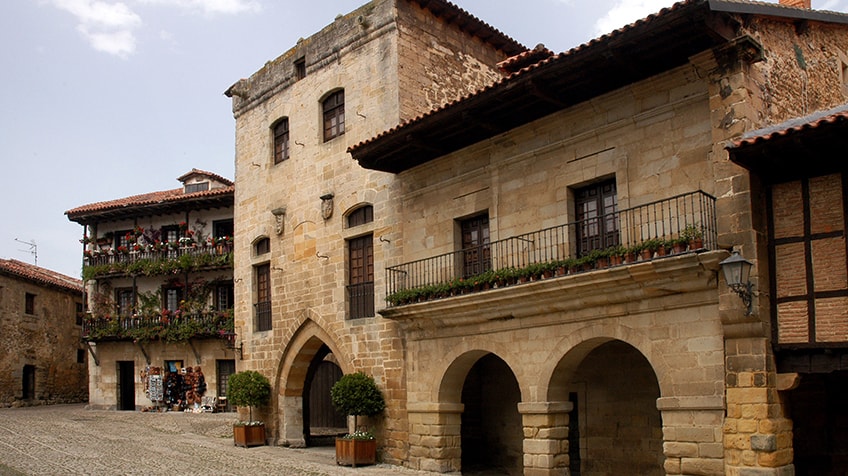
(249,435)
(355,452)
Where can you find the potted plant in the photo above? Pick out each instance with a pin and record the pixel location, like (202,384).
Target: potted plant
(694,236)
(248,389)
(357,394)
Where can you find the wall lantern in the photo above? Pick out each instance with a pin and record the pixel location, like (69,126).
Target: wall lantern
(230,339)
(737,273)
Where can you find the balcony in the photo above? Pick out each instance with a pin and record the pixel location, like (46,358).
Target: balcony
(682,224)
(166,326)
(153,262)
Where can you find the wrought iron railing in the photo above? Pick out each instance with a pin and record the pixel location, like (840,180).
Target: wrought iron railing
(167,326)
(262,312)
(361,300)
(652,226)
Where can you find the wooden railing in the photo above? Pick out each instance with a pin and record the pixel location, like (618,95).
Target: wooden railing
(167,326)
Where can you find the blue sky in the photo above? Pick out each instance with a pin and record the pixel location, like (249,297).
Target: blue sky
(105,99)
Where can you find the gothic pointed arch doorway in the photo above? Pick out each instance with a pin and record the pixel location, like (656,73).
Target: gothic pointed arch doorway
(321,422)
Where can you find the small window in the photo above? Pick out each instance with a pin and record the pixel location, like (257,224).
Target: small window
(79,311)
(224,296)
(196,187)
(300,68)
(334,116)
(281,140)
(80,356)
(222,228)
(263,246)
(360,216)
(124,301)
(171,234)
(29,304)
(171,297)
(123,238)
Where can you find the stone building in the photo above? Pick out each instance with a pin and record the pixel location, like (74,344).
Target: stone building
(532,269)
(159,294)
(42,360)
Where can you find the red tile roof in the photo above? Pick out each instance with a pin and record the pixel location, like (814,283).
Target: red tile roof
(152,198)
(39,275)
(813,121)
(204,173)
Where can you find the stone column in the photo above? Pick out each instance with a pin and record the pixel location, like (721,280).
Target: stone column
(692,434)
(435,442)
(545,437)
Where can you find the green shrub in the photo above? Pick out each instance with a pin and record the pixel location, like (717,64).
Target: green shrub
(248,388)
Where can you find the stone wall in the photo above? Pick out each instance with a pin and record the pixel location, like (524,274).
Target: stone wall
(47,339)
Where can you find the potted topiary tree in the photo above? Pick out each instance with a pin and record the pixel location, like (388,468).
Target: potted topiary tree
(248,389)
(357,394)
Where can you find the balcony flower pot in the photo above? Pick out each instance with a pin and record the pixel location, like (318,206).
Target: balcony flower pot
(353,395)
(249,434)
(251,389)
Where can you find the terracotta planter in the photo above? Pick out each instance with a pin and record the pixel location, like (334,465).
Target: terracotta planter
(355,452)
(249,435)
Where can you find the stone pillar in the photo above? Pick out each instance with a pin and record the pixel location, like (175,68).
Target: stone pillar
(757,436)
(545,437)
(692,434)
(435,442)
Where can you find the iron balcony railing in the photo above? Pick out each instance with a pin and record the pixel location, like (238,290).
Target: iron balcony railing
(361,300)
(113,256)
(652,226)
(167,326)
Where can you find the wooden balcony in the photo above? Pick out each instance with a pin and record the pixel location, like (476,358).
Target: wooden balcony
(166,326)
(153,262)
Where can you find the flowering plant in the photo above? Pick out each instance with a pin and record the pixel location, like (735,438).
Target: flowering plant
(359,435)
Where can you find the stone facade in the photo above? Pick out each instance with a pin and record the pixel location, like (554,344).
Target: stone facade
(650,366)
(42,360)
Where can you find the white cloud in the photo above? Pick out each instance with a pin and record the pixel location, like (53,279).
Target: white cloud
(628,11)
(229,7)
(108,27)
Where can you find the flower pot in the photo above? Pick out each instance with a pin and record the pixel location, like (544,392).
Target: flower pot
(350,452)
(249,435)
(696,244)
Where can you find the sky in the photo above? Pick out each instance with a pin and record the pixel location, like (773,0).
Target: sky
(106,99)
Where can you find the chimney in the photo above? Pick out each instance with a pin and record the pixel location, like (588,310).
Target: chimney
(797,3)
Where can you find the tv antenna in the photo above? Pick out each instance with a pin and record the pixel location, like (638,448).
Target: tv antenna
(33,249)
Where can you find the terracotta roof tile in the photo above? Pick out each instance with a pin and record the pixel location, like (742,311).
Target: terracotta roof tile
(792,126)
(211,175)
(39,275)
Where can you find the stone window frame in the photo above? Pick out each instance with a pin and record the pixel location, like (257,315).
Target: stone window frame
(29,304)
(280,131)
(333,114)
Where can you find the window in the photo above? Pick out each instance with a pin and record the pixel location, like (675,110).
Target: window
(262,246)
(262,307)
(122,238)
(360,287)
(222,228)
(196,187)
(281,140)
(29,304)
(597,217)
(224,296)
(80,356)
(79,313)
(360,216)
(477,256)
(124,301)
(171,297)
(334,116)
(300,68)
(170,234)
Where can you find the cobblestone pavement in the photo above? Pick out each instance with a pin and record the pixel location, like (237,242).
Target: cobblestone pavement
(70,440)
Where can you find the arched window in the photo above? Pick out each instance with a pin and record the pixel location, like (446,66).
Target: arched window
(281,140)
(360,216)
(334,116)
(262,246)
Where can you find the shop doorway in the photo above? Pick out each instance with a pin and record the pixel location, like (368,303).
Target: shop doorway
(126,385)
(491,428)
(224,369)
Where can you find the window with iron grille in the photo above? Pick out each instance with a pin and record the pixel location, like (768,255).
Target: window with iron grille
(596,211)
(224,296)
(171,297)
(476,253)
(262,306)
(334,115)
(281,140)
(360,289)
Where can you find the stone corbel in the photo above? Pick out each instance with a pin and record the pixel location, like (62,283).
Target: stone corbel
(280,220)
(91,350)
(327,206)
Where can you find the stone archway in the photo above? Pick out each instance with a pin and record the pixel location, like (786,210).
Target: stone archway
(309,346)
(614,426)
